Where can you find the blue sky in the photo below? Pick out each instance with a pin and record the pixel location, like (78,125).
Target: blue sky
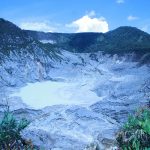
(77,15)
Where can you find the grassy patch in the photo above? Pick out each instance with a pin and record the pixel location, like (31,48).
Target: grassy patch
(10,133)
(135,134)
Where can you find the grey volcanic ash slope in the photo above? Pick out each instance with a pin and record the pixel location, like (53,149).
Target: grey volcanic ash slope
(101,88)
(21,56)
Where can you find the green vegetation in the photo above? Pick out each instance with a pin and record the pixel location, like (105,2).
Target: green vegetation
(10,129)
(135,134)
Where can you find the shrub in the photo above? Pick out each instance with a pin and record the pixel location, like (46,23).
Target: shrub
(10,137)
(135,134)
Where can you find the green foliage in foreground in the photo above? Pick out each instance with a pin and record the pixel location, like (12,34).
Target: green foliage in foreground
(10,128)
(135,134)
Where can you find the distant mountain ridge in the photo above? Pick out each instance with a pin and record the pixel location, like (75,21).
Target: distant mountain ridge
(119,41)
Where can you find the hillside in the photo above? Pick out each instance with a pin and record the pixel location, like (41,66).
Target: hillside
(121,40)
(13,39)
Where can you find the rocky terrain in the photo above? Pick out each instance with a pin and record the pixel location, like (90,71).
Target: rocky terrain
(103,78)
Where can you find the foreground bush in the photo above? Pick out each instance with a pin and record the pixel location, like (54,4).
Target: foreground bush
(10,128)
(135,134)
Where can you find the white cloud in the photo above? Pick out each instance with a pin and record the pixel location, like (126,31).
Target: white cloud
(89,24)
(120,1)
(37,26)
(132,18)
(145,28)
(91,13)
